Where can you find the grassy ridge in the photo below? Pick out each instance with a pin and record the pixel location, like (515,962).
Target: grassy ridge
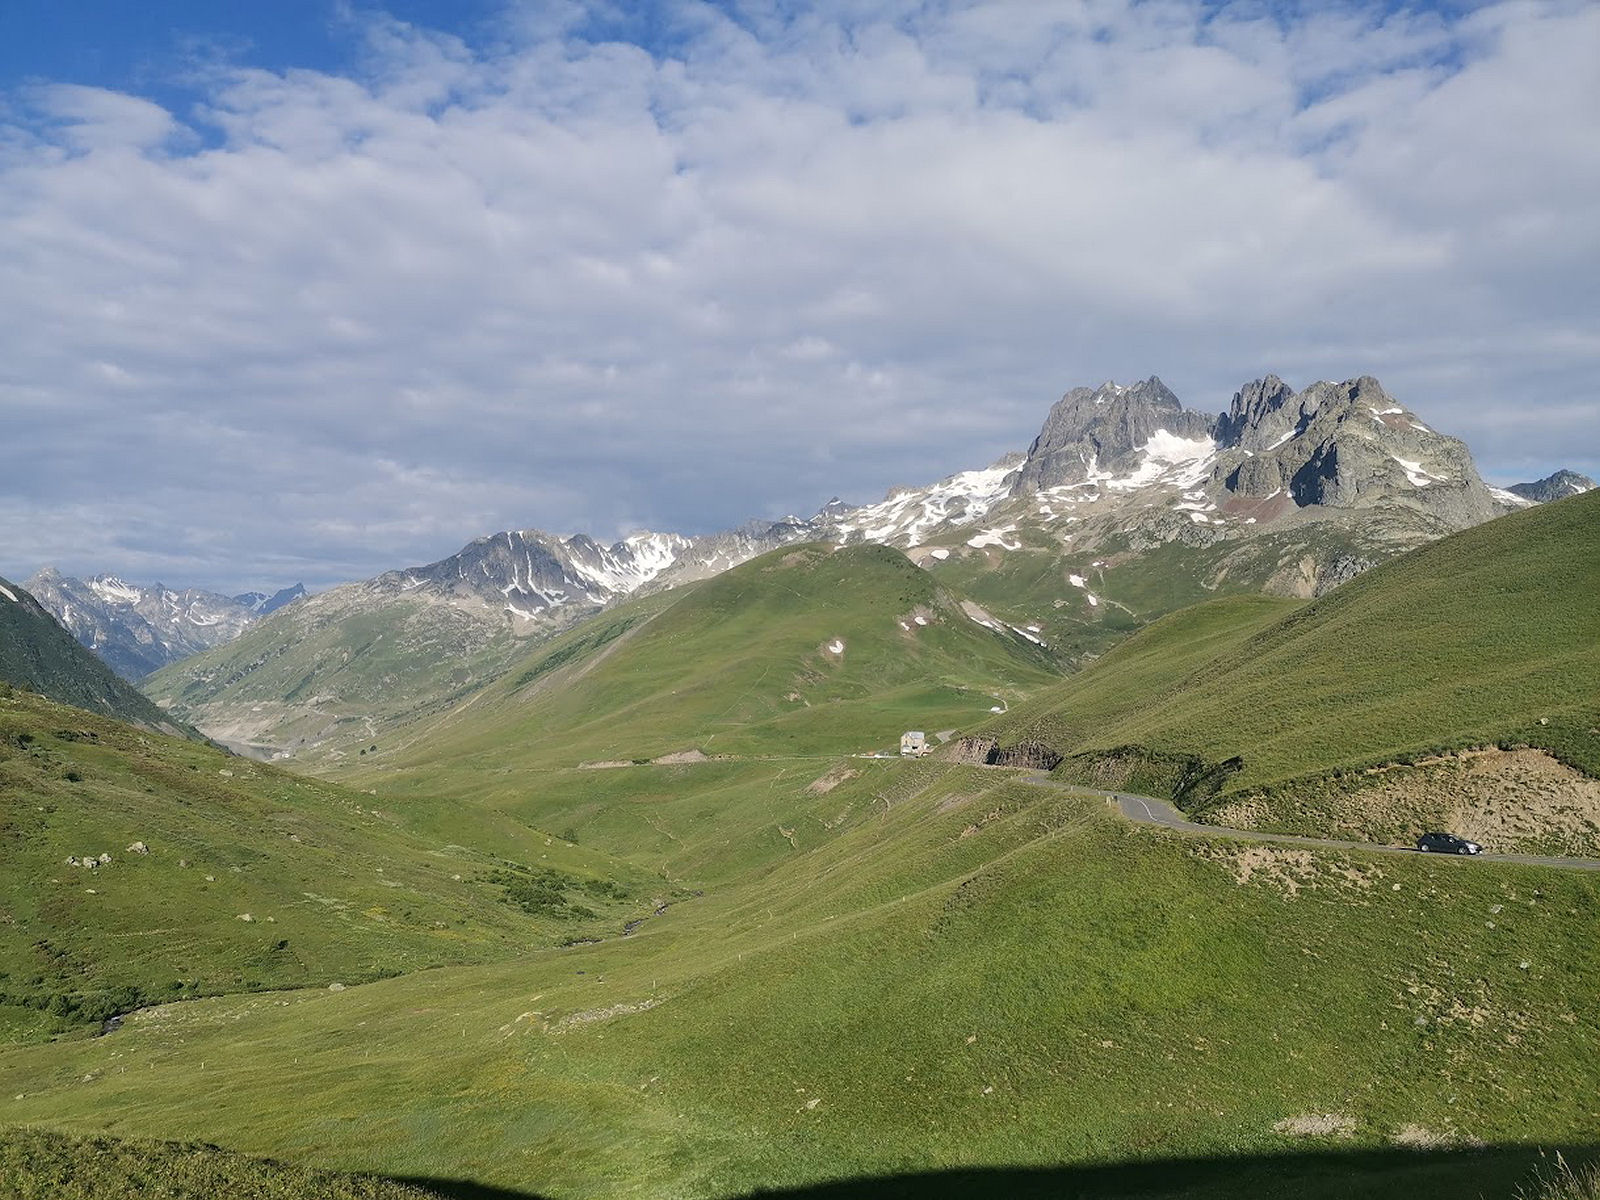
(809,650)
(336,887)
(966,971)
(1031,585)
(37,653)
(1468,640)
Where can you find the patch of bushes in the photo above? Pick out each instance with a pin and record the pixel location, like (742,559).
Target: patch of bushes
(547,892)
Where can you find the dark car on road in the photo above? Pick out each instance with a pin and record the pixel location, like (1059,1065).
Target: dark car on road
(1447,843)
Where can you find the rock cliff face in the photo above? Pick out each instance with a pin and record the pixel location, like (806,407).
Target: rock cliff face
(1103,430)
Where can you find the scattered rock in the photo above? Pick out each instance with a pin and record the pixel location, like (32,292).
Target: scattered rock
(245,917)
(1420,1137)
(681,756)
(336,987)
(826,783)
(211,878)
(1317,1125)
(105,860)
(138,848)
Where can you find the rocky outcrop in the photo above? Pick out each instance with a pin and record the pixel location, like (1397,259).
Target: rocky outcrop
(1103,429)
(973,751)
(987,752)
(1033,755)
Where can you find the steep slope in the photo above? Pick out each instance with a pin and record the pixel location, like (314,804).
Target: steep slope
(812,650)
(36,653)
(140,869)
(138,630)
(1490,636)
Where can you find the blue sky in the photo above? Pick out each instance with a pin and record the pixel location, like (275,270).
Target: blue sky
(310,291)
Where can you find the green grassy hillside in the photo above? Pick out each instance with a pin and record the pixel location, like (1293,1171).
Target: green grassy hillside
(37,653)
(1131,588)
(810,650)
(1489,636)
(964,972)
(858,977)
(226,875)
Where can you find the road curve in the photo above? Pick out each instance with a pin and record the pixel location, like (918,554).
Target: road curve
(1147,810)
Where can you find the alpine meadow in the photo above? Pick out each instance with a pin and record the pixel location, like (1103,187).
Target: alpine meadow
(422,778)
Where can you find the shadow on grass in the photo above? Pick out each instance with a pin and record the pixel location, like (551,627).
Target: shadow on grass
(1487,1173)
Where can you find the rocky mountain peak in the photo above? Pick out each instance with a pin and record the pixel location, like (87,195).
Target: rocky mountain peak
(262,603)
(1103,429)
(1347,444)
(1261,413)
(1553,487)
(139,629)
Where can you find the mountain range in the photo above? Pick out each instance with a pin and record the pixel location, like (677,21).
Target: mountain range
(36,653)
(1126,506)
(138,630)
(757,960)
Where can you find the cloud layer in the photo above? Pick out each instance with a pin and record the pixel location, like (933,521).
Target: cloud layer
(598,272)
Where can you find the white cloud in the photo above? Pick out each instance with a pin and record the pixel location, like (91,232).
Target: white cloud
(349,323)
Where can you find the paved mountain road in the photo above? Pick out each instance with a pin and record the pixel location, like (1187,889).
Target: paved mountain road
(1147,810)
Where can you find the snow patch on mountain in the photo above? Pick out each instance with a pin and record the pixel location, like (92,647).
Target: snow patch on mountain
(9,594)
(109,587)
(908,515)
(994,537)
(1415,472)
(1511,498)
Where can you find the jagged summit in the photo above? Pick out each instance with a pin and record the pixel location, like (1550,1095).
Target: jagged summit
(1553,487)
(1104,429)
(261,603)
(1342,445)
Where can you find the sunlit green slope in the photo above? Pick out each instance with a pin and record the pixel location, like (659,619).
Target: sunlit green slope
(950,968)
(1476,638)
(812,650)
(139,868)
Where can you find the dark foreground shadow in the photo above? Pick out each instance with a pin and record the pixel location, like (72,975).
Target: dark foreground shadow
(1489,1173)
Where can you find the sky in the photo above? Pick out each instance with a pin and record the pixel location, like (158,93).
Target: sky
(310,290)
